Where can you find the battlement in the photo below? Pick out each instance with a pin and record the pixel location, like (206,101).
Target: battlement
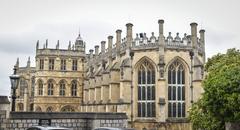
(142,42)
(57,52)
(76,49)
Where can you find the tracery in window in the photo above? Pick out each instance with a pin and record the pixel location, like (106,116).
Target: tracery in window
(176,90)
(146,90)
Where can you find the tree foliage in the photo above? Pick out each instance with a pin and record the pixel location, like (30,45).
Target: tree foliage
(220,101)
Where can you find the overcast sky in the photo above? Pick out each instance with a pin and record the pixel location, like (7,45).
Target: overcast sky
(23,22)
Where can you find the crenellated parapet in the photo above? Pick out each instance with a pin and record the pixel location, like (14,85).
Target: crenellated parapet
(143,42)
(76,49)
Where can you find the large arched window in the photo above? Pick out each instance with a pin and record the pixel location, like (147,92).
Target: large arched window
(50,87)
(176,90)
(146,90)
(74,88)
(40,87)
(62,88)
(23,85)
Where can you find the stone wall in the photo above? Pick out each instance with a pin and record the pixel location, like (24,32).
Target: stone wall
(77,121)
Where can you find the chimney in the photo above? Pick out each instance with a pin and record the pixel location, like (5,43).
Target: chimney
(194,34)
(96,50)
(129,34)
(118,42)
(103,46)
(91,53)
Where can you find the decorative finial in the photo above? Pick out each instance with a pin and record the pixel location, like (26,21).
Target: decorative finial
(28,62)
(17,63)
(69,45)
(47,43)
(57,46)
(37,45)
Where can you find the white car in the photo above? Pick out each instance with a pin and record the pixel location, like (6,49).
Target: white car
(47,128)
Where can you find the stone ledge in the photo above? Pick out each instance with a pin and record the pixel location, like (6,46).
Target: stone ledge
(66,115)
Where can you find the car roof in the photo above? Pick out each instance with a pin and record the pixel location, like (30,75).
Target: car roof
(49,127)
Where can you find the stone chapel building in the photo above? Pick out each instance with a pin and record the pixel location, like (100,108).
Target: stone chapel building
(152,79)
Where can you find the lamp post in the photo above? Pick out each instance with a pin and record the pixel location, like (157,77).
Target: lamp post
(191,54)
(14,78)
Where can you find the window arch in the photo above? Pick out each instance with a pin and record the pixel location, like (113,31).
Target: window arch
(67,109)
(23,85)
(62,88)
(40,87)
(146,90)
(74,88)
(38,109)
(49,109)
(176,90)
(50,87)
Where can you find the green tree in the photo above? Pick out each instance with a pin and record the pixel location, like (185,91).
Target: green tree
(220,101)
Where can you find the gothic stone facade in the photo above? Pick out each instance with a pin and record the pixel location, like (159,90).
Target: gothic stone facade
(153,80)
(56,83)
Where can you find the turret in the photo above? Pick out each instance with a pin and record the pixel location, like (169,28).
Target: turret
(110,38)
(194,35)
(103,47)
(96,50)
(161,42)
(79,44)
(202,41)
(129,35)
(161,36)
(118,42)
(91,53)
